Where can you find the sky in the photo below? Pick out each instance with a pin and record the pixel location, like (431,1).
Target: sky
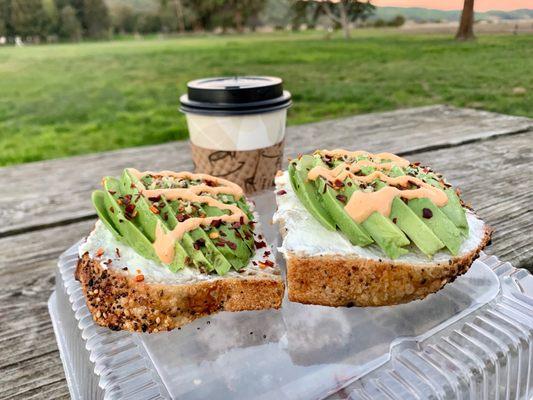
(479,5)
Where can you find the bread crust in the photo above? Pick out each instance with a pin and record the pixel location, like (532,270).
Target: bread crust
(117,301)
(355,281)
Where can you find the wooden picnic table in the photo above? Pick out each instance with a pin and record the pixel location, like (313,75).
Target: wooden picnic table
(45,207)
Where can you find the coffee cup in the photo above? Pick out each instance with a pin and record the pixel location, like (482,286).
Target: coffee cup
(237,127)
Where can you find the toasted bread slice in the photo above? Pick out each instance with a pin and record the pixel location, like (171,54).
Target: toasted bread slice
(324,268)
(125,291)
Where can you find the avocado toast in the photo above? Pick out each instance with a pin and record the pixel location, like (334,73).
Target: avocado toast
(363,229)
(172,247)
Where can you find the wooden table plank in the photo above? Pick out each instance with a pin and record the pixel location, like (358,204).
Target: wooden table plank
(30,364)
(49,193)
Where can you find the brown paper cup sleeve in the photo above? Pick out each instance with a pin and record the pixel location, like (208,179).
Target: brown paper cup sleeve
(253,170)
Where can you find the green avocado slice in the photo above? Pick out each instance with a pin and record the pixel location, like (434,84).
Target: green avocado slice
(199,240)
(453,209)
(147,220)
(98,200)
(421,235)
(307,193)
(239,257)
(439,223)
(385,233)
(131,234)
(334,203)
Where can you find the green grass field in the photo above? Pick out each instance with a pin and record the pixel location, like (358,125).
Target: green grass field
(62,100)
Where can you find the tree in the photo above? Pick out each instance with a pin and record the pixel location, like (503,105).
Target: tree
(344,12)
(52,16)
(4,17)
(96,21)
(69,26)
(124,19)
(466,26)
(28,18)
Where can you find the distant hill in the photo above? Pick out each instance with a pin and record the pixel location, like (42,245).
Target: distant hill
(427,14)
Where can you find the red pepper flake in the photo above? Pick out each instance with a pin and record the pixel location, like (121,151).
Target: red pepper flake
(99,252)
(259,245)
(341,198)
(111,192)
(129,211)
(154,209)
(198,244)
(127,199)
(216,223)
(231,245)
(236,225)
(266,254)
(241,220)
(416,164)
(139,278)
(155,198)
(349,183)
(132,186)
(209,183)
(266,263)
(281,192)
(220,243)
(112,209)
(117,251)
(181,217)
(339,183)
(427,213)
(395,220)
(165,216)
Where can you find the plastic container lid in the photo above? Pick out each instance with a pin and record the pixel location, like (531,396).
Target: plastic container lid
(235,95)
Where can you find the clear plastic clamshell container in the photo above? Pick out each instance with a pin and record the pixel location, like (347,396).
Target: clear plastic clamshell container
(471,340)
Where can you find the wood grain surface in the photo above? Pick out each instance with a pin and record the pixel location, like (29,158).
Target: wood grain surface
(45,208)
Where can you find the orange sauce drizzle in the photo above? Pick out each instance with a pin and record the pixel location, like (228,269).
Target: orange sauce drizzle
(362,204)
(165,240)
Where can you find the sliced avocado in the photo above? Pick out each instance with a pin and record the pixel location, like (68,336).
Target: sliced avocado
(453,209)
(196,243)
(239,257)
(334,203)
(387,235)
(306,191)
(421,235)
(147,220)
(98,200)
(439,223)
(131,234)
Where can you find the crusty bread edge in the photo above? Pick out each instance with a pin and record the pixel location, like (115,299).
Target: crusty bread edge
(117,301)
(356,281)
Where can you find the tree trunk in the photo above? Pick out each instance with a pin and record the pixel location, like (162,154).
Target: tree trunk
(178,8)
(344,19)
(466,26)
